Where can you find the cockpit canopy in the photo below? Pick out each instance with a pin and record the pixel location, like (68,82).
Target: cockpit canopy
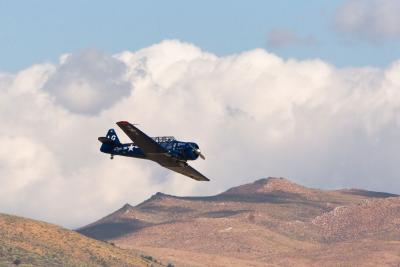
(162,139)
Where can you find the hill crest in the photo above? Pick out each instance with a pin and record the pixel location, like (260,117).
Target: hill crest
(268,185)
(34,243)
(272,220)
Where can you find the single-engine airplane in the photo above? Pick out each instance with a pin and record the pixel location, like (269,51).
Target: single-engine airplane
(165,150)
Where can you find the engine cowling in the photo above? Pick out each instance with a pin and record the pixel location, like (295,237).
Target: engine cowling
(192,151)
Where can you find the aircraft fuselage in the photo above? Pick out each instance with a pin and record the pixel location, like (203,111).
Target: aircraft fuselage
(178,150)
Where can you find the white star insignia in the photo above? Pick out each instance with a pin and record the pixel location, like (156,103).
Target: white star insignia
(130,148)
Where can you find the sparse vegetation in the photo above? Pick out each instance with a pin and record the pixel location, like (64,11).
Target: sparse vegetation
(271,220)
(26,242)
(150,258)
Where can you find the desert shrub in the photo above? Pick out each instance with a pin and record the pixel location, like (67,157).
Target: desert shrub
(150,258)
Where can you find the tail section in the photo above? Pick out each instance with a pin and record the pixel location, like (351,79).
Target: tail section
(113,136)
(110,140)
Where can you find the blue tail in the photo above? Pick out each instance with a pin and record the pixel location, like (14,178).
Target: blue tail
(109,141)
(111,135)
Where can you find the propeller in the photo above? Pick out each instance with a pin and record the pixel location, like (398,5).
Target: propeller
(198,152)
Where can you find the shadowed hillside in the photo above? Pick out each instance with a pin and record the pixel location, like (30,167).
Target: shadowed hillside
(271,221)
(26,242)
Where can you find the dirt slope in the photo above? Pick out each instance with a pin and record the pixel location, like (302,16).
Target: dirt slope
(269,222)
(26,242)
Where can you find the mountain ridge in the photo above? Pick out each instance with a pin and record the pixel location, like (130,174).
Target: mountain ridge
(268,220)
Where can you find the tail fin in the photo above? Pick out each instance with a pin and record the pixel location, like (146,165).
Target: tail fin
(110,139)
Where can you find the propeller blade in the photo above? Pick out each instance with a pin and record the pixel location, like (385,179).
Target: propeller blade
(198,152)
(202,156)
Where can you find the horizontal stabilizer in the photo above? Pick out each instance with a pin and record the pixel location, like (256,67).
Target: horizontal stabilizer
(106,140)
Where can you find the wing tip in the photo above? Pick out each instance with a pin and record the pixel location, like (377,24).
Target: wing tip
(202,179)
(119,123)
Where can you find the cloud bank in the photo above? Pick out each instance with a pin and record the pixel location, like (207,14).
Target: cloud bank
(372,20)
(253,114)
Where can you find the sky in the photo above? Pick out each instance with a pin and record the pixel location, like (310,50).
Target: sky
(307,91)
(39,31)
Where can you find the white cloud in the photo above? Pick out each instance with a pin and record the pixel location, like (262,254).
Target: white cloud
(281,37)
(373,20)
(253,115)
(88,82)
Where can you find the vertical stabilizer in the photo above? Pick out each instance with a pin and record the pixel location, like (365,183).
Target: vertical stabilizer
(111,139)
(111,134)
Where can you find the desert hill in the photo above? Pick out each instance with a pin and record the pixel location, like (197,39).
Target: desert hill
(26,242)
(272,221)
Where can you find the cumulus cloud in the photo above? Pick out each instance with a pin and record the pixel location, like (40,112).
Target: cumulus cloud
(253,114)
(373,20)
(88,82)
(278,38)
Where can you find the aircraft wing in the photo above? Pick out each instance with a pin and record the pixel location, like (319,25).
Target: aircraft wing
(188,171)
(146,143)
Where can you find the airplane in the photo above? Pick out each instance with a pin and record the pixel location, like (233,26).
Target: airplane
(165,150)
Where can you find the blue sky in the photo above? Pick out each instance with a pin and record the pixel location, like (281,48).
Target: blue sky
(38,31)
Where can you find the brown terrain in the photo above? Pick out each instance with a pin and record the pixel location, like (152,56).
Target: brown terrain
(271,222)
(26,242)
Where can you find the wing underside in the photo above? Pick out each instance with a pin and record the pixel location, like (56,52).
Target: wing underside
(189,172)
(157,153)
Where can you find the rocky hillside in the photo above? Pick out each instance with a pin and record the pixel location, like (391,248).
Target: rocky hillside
(27,242)
(269,222)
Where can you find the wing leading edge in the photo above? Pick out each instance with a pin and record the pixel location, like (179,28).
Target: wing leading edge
(142,140)
(158,153)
